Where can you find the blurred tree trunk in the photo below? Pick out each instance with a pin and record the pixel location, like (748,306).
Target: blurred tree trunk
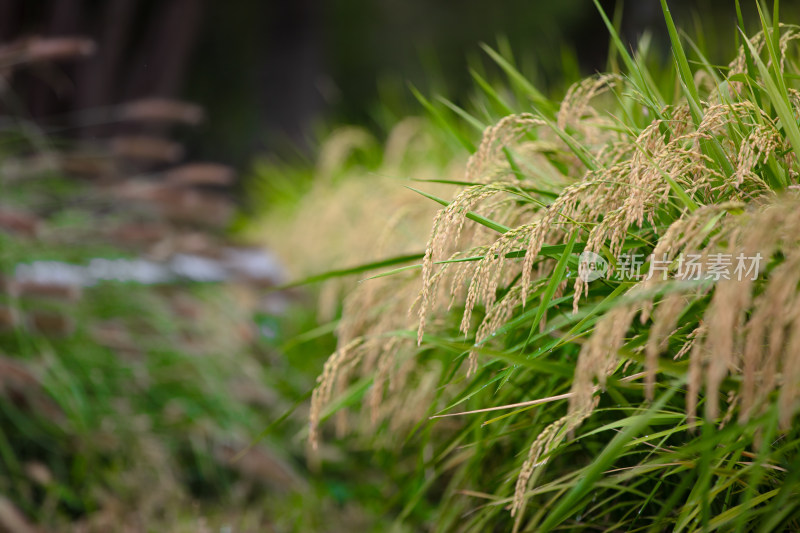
(161,57)
(292,72)
(98,77)
(129,62)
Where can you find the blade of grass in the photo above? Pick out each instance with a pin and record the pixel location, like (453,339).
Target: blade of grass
(552,287)
(540,100)
(684,70)
(553,251)
(470,215)
(568,504)
(469,119)
(650,91)
(486,87)
(350,271)
(777,93)
(441,120)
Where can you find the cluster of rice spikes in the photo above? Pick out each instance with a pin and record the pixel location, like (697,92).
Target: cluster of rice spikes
(371,307)
(336,217)
(619,170)
(748,328)
(342,226)
(632,181)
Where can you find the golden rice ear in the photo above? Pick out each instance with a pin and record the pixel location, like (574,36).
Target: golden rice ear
(489,272)
(541,446)
(386,361)
(598,357)
(340,146)
(762,142)
(665,320)
(449,223)
(401,140)
(539,451)
(326,383)
(446,233)
(577,113)
(497,315)
(505,133)
(752,338)
(789,394)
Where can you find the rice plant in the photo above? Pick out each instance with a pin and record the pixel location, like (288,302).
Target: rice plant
(603,325)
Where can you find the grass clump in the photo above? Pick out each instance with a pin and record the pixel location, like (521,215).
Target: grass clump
(647,399)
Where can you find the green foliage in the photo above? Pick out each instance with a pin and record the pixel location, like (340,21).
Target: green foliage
(170,407)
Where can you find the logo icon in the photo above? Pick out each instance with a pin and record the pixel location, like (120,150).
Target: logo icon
(591,266)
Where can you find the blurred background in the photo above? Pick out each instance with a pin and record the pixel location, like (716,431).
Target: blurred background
(167,165)
(271,75)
